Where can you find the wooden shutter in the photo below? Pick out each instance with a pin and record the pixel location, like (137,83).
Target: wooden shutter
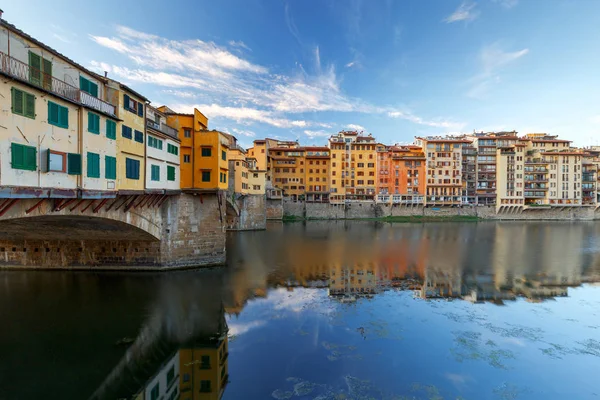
(110,167)
(35,66)
(170,173)
(84,84)
(64,117)
(111,129)
(140,109)
(125,102)
(74,164)
(93,89)
(30,155)
(47,69)
(53,113)
(17,155)
(29,105)
(17,101)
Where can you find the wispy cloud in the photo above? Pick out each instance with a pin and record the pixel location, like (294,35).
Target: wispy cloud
(465,12)
(239,45)
(289,20)
(507,3)
(243,132)
(225,85)
(316,134)
(62,34)
(420,121)
(355,127)
(492,60)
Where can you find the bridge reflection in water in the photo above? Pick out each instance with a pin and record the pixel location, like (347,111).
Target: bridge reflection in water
(178,322)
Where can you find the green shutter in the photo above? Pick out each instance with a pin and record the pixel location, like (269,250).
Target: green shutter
(53,118)
(170,173)
(111,129)
(17,101)
(93,89)
(125,102)
(23,157)
(35,66)
(110,167)
(93,165)
(29,105)
(84,84)
(155,172)
(93,123)
(74,164)
(140,110)
(64,117)
(47,69)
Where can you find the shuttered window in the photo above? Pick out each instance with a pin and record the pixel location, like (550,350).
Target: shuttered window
(88,86)
(223,155)
(132,169)
(156,143)
(35,69)
(126,132)
(139,136)
(23,157)
(170,173)
(58,115)
(93,165)
(93,123)
(23,103)
(205,176)
(206,152)
(172,149)
(74,164)
(155,172)
(111,129)
(140,109)
(110,167)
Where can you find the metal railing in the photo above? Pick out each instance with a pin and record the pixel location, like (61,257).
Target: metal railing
(167,130)
(26,73)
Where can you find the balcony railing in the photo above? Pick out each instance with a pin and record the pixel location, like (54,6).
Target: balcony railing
(23,72)
(167,130)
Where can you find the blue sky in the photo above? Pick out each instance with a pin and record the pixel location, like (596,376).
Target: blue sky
(304,69)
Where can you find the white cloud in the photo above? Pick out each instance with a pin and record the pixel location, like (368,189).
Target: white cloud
(243,132)
(229,86)
(355,127)
(492,60)
(464,12)
(239,44)
(507,3)
(61,38)
(237,328)
(315,134)
(421,121)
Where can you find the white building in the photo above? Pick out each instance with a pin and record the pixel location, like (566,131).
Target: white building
(162,152)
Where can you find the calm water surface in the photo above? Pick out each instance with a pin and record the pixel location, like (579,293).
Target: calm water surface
(322,310)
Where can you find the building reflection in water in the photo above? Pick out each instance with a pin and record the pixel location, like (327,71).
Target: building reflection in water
(477,262)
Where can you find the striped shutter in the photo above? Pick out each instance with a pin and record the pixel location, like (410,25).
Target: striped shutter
(110,167)
(64,117)
(29,105)
(35,66)
(93,89)
(74,164)
(17,101)
(47,64)
(125,101)
(53,113)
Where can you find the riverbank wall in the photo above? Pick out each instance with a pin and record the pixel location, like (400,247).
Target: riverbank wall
(367,210)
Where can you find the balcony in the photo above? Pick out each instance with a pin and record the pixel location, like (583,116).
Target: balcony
(536,186)
(163,128)
(537,195)
(588,177)
(536,169)
(33,76)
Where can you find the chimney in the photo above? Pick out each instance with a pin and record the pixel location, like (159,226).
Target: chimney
(105,74)
(1,12)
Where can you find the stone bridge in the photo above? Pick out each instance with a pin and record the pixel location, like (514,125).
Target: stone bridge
(49,229)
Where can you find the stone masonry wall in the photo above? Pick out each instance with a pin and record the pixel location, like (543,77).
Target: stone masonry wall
(253,214)
(274,209)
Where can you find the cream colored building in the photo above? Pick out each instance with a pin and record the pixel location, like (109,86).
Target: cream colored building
(510,172)
(59,130)
(162,152)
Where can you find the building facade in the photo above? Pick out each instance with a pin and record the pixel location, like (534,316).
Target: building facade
(162,152)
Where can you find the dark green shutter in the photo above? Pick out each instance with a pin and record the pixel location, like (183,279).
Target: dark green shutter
(140,109)
(110,167)
(125,102)
(29,105)
(74,164)
(23,157)
(64,117)
(93,165)
(93,89)
(170,173)
(111,129)
(93,123)
(84,84)
(35,66)
(17,101)
(53,113)
(47,69)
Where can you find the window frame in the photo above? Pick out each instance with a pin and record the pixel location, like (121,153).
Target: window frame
(208,150)
(110,173)
(25,166)
(64,161)
(93,123)
(59,122)
(208,175)
(91,173)
(154,169)
(25,95)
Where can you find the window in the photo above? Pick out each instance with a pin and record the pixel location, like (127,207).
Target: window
(132,168)
(205,386)
(186,158)
(74,164)
(93,123)
(40,71)
(223,155)
(23,103)
(187,132)
(23,157)
(206,152)
(57,161)
(170,173)
(154,142)
(170,375)
(139,136)
(155,173)
(110,167)
(133,106)
(58,115)
(111,129)
(205,176)
(88,86)
(172,149)
(126,132)
(93,165)
(186,378)
(222,177)
(155,392)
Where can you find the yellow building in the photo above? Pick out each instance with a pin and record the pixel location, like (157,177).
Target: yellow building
(238,170)
(131,137)
(317,174)
(203,369)
(286,166)
(353,167)
(186,125)
(256,177)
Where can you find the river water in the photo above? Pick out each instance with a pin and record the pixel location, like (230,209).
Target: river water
(322,310)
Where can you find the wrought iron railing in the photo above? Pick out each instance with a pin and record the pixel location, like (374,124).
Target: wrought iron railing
(167,130)
(26,73)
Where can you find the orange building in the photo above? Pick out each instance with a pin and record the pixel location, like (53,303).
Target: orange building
(286,166)
(401,174)
(317,174)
